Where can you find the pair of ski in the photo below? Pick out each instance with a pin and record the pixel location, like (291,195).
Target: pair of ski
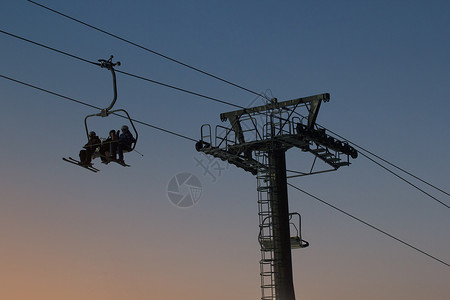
(106,160)
(90,167)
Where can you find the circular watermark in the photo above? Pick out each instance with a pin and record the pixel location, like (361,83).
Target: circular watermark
(184,190)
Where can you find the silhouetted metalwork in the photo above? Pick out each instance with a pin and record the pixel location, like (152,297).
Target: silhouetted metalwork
(256,141)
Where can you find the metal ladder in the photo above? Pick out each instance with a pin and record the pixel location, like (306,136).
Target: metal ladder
(273,125)
(267,261)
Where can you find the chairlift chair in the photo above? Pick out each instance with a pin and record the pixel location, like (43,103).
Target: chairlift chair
(108,64)
(295,238)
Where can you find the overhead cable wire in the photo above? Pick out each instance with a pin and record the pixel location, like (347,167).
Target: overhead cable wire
(96,107)
(227,103)
(145,48)
(223,102)
(177,88)
(394,173)
(408,182)
(389,170)
(211,75)
(194,140)
(119,71)
(371,226)
(393,165)
(47,47)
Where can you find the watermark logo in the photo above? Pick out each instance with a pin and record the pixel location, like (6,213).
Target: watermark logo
(212,167)
(184,190)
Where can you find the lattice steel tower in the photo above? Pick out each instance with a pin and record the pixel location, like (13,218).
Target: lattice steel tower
(257,142)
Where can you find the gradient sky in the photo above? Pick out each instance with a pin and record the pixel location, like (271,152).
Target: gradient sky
(67,233)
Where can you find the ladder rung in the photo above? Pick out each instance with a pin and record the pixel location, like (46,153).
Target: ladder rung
(343,163)
(317,151)
(266,274)
(325,155)
(333,160)
(263,188)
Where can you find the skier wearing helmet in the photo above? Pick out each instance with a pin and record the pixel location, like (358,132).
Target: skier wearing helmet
(125,141)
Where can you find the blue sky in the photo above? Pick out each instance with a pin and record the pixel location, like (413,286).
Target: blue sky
(68,233)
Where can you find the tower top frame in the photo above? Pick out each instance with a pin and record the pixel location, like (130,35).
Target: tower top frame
(287,124)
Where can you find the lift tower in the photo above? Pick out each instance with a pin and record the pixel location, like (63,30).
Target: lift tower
(256,141)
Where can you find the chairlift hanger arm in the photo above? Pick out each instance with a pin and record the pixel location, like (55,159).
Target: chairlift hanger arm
(108,64)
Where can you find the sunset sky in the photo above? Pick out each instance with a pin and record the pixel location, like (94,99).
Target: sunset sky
(67,233)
